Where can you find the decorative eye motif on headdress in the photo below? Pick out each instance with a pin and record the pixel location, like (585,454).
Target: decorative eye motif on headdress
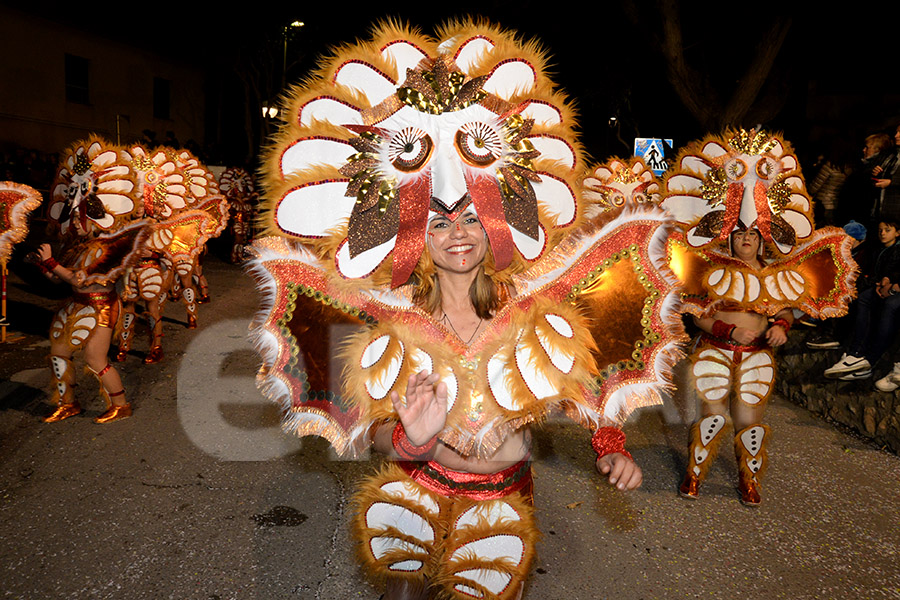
(735,169)
(766,168)
(479,144)
(410,150)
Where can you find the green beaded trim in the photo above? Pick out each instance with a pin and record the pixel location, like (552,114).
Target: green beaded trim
(636,363)
(292,367)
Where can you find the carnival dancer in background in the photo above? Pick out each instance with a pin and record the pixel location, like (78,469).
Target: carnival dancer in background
(93,207)
(16,202)
(426,190)
(177,192)
(237,185)
(734,196)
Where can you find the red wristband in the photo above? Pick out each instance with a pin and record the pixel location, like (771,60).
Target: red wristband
(783,323)
(48,265)
(609,440)
(723,330)
(406,449)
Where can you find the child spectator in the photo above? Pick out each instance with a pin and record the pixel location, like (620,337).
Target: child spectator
(877,316)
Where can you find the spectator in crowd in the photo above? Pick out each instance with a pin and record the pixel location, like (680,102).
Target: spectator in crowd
(825,188)
(876,317)
(887,180)
(859,198)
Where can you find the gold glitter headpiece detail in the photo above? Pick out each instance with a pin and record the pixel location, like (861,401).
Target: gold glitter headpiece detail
(82,164)
(440,90)
(752,142)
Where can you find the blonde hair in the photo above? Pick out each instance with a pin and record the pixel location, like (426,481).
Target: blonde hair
(880,141)
(483,293)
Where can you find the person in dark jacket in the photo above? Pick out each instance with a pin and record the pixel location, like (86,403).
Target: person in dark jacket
(887,179)
(877,317)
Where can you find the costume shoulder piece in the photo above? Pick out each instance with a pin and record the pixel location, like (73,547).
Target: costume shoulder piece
(103,258)
(182,196)
(16,202)
(752,180)
(96,206)
(404,125)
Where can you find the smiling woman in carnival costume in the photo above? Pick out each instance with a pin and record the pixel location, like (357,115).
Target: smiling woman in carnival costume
(424,215)
(739,198)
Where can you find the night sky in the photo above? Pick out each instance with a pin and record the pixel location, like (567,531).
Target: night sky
(835,73)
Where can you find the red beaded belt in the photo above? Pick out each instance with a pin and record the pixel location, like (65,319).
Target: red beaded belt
(477,486)
(758,344)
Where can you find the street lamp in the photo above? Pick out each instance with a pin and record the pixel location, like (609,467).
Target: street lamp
(269,112)
(288,29)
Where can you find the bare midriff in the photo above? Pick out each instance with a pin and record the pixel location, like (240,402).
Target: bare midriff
(514,448)
(746,319)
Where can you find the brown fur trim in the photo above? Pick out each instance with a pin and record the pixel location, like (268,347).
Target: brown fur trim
(712,449)
(742,455)
(524,529)
(370,493)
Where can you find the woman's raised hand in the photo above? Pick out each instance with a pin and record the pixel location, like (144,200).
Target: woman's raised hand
(423,411)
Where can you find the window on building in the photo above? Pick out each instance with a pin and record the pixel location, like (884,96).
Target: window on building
(162,92)
(77,88)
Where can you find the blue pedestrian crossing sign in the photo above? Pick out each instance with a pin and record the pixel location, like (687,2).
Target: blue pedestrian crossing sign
(653,151)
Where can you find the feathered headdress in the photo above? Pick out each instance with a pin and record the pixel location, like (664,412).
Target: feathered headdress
(404,124)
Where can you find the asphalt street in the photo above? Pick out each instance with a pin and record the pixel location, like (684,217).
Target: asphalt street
(200,496)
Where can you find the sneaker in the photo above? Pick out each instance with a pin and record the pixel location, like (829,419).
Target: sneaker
(854,375)
(889,382)
(821,342)
(847,364)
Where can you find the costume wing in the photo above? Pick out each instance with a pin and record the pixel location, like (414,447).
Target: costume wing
(181,238)
(615,271)
(305,321)
(105,258)
(817,278)
(16,202)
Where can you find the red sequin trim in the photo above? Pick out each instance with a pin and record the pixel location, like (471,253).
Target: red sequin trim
(723,330)
(415,199)
(477,486)
(783,323)
(609,440)
(725,345)
(407,449)
(48,265)
(485,193)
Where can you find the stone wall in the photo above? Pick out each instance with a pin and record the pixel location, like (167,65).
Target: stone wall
(856,404)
